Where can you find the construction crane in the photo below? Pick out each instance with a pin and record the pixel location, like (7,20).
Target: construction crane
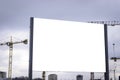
(109,23)
(115,60)
(10,45)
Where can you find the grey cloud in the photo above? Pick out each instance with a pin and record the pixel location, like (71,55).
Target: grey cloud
(15,15)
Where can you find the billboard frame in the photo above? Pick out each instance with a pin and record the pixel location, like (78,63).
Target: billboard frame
(31,50)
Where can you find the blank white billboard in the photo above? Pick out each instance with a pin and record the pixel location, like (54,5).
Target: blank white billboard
(68,46)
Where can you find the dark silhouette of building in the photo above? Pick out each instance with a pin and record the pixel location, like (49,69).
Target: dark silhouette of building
(20,78)
(37,79)
(52,77)
(24,78)
(2,74)
(79,77)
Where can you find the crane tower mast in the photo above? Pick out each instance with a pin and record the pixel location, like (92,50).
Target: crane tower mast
(10,44)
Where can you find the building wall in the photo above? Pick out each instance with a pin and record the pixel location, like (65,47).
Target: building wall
(52,77)
(2,74)
(79,77)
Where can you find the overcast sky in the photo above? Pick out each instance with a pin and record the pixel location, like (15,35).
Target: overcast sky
(15,19)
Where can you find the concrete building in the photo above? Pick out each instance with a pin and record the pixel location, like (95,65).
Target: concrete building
(52,77)
(2,74)
(79,77)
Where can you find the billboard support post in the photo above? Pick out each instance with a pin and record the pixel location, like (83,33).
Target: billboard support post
(106,53)
(31,49)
